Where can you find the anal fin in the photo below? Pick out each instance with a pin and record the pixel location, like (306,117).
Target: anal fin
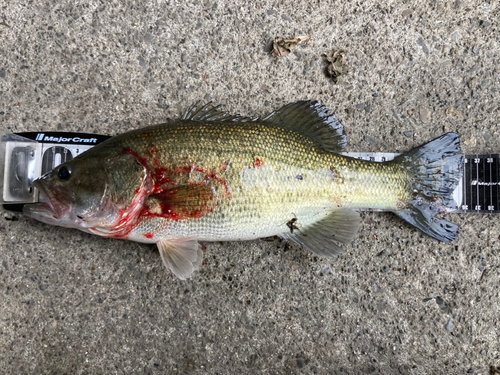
(182,256)
(323,237)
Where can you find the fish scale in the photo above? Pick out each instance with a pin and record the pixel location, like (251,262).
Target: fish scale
(262,198)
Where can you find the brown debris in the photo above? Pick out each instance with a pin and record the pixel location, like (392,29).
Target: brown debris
(291,224)
(282,47)
(337,67)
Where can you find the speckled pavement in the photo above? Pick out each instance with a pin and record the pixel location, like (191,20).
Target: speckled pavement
(398,302)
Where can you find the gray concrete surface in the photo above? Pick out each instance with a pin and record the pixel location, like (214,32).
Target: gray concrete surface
(72,303)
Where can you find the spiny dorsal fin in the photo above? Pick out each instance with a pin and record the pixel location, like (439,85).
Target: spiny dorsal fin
(309,118)
(211,113)
(313,120)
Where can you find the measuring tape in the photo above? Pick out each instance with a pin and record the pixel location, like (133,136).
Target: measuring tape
(26,156)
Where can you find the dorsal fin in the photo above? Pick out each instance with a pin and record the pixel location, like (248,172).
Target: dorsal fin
(314,121)
(211,113)
(309,118)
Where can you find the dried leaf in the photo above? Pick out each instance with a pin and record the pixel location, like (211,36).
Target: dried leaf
(282,47)
(337,67)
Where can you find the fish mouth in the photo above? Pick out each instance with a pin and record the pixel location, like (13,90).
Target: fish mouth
(49,209)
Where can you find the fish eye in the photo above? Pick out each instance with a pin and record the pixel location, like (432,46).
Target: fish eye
(64,173)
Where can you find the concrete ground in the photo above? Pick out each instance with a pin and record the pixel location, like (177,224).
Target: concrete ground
(398,302)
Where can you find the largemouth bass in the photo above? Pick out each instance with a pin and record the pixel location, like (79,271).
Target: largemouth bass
(210,176)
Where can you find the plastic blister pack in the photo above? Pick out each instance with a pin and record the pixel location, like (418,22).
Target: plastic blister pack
(26,156)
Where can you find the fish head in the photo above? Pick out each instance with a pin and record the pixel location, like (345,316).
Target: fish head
(76,194)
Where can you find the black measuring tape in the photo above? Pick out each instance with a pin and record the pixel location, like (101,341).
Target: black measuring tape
(480,190)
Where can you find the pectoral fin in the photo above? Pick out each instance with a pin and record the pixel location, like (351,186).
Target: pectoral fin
(323,237)
(182,256)
(182,202)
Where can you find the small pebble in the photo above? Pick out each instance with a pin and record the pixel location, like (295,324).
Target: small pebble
(422,44)
(425,115)
(484,23)
(409,134)
(142,62)
(470,371)
(472,84)
(450,326)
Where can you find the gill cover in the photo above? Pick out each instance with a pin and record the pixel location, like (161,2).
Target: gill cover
(89,192)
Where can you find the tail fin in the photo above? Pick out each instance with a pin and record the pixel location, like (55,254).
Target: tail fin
(436,169)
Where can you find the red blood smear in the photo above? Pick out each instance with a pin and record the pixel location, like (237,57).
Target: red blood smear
(172,207)
(160,178)
(153,152)
(163,186)
(127,217)
(140,159)
(148,235)
(258,163)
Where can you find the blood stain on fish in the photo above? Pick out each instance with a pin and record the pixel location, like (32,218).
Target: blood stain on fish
(166,184)
(258,163)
